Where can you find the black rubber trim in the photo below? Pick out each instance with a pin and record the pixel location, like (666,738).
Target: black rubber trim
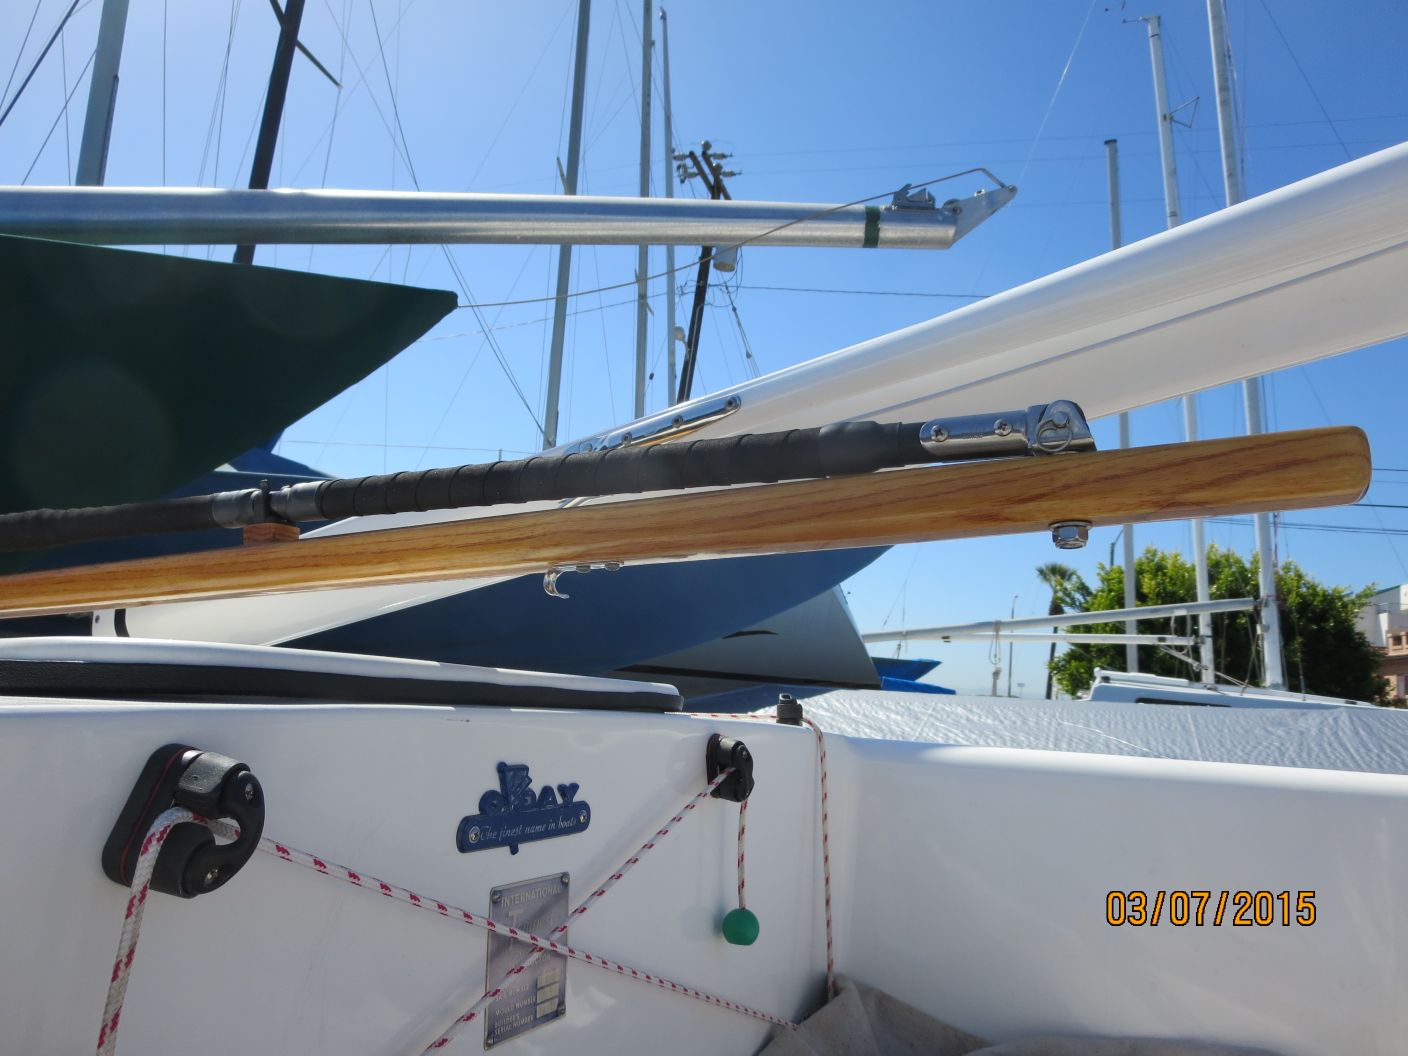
(189,682)
(655,670)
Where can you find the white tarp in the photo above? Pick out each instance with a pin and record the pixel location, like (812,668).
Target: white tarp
(1372,740)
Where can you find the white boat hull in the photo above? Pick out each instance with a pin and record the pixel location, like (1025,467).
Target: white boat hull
(970,882)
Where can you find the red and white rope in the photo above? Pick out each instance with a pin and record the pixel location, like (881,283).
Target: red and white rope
(161,829)
(494,992)
(464,916)
(132,924)
(742,828)
(825,857)
(825,834)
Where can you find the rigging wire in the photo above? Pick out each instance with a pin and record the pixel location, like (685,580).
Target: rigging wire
(626,54)
(594,106)
(1060,82)
(20,54)
(361,80)
(164,12)
(1306,78)
(216,106)
(347,12)
(449,257)
(405,147)
(63,69)
(469,367)
(39,61)
(62,113)
(750,360)
(493,142)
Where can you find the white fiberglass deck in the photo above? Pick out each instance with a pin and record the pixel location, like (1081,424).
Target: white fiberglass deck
(971,882)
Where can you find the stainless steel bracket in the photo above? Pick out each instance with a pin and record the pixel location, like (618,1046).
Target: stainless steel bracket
(1042,429)
(551,576)
(668,425)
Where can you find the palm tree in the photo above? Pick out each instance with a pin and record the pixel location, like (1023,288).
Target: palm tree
(1063,581)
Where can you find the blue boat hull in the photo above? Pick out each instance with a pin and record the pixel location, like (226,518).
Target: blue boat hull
(611,620)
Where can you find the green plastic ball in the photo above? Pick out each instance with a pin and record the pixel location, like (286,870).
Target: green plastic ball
(740,927)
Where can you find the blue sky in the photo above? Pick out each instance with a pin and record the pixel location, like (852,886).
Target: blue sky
(818,102)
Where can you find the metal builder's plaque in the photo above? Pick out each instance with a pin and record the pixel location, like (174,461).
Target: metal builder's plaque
(539,995)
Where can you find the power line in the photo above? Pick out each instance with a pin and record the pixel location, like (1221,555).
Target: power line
(866,293)
(737,245)
(1128,134)
(1305,526)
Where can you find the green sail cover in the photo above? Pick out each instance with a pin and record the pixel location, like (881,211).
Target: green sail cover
(124,375)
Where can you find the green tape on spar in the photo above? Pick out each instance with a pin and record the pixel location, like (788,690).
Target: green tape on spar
(872,227)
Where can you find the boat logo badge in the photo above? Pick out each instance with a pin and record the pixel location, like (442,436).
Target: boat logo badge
(514,813)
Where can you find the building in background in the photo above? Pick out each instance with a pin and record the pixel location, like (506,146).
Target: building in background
(1384,621)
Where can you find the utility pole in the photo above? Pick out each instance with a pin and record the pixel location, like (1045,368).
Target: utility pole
(564,255)
(102,96)
(1010,644)
(705,163)
(290,19)
(1206,670)
(643,254)
(1131,651)
(669,181)
(1270,613)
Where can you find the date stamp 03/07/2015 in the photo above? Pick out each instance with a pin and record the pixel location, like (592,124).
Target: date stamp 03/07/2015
(1208,908)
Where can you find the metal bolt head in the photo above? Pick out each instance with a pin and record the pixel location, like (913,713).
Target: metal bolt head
(1002,427)
(249,791)
(212,876)
(496,897)
(1070,535)
(938,434)
(565,878)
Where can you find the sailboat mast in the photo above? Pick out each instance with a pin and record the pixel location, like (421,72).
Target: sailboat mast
(669,181)
(1271,642)
(1170,170)
(290,20)
(564,256)
(1206,669)
(102,95)
(1131,650)
(643,254)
